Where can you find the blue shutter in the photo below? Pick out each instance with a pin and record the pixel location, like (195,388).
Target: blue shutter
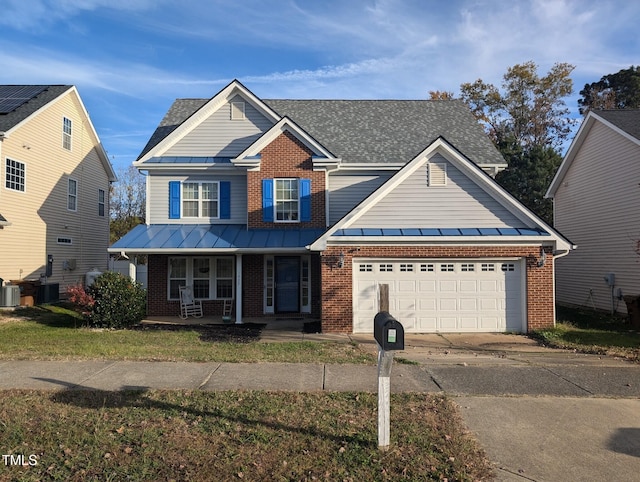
(267,200)
(174,199)
(305,199)
(225,200)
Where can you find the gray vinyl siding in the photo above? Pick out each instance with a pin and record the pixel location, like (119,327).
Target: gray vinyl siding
(220,136)
(346,191)
(596,207)
(158,203)
(459,204)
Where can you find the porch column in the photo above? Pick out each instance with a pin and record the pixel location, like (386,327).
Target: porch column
(238,289)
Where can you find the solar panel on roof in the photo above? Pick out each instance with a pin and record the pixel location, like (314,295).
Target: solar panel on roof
(13,96)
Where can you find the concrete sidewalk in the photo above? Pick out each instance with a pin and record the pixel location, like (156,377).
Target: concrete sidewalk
(540,414)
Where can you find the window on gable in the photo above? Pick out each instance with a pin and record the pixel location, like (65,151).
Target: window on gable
(287,201)
(200,200)
(72,195)
(237,111)
(101,202)
(436,174)
(66,133)
(15,175)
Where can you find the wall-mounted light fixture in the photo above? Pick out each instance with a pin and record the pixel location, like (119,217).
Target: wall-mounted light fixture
(341,260)
(543,257)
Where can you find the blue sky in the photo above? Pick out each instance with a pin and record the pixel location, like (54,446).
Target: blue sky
(131,58)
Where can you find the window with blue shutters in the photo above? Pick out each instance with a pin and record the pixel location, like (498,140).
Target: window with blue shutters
(286,200)
(211,200)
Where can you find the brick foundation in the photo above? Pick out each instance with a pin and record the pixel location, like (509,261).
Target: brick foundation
(337,290)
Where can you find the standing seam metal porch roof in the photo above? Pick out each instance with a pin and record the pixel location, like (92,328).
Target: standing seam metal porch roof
(212,237)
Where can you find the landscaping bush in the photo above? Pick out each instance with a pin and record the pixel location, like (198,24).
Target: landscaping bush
(118,301)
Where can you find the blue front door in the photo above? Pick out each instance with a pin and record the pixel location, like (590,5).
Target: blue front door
(287,284)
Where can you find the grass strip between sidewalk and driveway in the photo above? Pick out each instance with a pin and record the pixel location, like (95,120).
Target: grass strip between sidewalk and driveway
(81,435)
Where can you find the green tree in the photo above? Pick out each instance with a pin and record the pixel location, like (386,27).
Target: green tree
(530,109)
(529,175)
(613,91)
(127,202)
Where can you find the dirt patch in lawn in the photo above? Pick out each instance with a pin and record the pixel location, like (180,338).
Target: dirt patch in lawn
(232,333)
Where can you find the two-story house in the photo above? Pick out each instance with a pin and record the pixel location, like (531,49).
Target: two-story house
(54,194)
(305,208)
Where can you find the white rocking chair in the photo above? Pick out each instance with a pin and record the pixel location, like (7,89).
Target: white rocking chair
(189,306)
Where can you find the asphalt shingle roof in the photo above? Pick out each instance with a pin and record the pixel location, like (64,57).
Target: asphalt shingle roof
(368,131)
(626,119)
(13,118)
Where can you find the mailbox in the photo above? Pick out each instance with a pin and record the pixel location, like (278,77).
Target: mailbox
(388,332)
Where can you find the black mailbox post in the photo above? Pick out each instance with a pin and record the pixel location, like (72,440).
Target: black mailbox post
(388,332)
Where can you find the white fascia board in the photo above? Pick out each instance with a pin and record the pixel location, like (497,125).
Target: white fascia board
(372,166)
(186,167)
(217,101)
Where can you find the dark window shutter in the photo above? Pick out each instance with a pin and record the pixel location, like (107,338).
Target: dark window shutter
(225,200)
(305,199)
(174,199)
(267,200)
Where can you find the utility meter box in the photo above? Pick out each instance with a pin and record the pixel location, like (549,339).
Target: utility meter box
(388,332)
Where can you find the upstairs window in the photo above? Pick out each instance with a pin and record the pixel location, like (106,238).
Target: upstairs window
(72,195)
(66,133)
(200,200)
(286,200)
(15,175)
(101,202)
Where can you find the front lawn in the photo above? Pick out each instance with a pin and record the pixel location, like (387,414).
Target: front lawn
(224,436)
(51,332)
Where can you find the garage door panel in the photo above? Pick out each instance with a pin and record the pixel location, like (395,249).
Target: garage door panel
(442,296)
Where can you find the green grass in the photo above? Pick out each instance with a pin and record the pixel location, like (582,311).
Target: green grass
(225,436)
(590,331)
(56,333)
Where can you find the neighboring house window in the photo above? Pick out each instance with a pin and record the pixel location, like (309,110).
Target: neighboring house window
(101,202)
(15,175)
(286,200)
(67,241)
(200,199)
(211,277)
(66,133)
(72,195)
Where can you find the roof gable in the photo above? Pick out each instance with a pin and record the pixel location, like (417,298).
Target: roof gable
(530,222)
(186,115)
(625,122)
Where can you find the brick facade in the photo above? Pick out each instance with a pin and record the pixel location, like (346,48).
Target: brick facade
(337,289)
(285,157)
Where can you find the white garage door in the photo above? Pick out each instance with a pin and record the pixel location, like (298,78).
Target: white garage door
(429,296)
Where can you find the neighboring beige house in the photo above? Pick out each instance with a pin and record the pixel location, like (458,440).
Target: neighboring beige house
(54,195)
(596,195)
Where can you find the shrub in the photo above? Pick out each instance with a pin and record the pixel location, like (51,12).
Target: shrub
(82,300)
(119,302)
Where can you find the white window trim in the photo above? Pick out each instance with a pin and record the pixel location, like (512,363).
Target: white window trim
(269,292)
(24,177)
(213,277)
(75,196)
(67,137)
(200,200)
(275,200)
